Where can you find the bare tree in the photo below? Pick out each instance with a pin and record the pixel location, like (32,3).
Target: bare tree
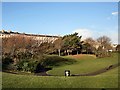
(104,45)
(15,45)
(91,44)
(105,42)
(58,44)
(91,41)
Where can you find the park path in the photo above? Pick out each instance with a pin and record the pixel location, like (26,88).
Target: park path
(106,69)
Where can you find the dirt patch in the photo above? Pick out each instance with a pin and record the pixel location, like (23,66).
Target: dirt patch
(82,56)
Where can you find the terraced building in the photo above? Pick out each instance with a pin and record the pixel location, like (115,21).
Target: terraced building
(42,38)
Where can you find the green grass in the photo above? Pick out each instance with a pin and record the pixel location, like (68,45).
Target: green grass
(83,65)
(23,81)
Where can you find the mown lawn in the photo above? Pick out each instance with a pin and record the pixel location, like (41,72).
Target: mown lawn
(84,64)
(106,80)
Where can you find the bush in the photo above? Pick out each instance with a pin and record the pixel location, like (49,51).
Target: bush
(24,55)
(30,66)
(40,63)
(7,60)
(7,63)
(11,67)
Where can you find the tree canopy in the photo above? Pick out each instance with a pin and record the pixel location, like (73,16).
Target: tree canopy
(71,42)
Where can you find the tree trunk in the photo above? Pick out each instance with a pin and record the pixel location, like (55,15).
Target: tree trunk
(59,51)
(68,53)
(77,52)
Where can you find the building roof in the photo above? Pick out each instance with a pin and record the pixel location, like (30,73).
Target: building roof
(10,32)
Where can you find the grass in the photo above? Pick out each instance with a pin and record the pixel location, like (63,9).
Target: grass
(84,64)
(55,61)
(23,81)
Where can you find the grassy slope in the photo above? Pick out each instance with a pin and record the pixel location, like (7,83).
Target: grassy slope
(107,80)
(84,64)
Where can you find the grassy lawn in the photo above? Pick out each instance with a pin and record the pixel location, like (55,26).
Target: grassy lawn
(83,65)
(106,80)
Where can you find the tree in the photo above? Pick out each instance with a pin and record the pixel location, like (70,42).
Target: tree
(19,48)
(90,45)
(118,48)
(58,44)
(86,48)
(15,46)
(71,42)
(104,45)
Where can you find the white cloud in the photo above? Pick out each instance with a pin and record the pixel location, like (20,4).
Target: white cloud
(85,33)
(114,13)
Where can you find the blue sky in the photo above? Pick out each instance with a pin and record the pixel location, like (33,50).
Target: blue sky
(89,19)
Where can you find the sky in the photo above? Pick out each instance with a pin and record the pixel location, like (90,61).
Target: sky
(89,19)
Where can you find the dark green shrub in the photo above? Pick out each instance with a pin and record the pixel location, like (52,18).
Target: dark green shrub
(30,65)
(20,65)
(11,67)
(24,55)
(7,60)
(6,63)
(40,63)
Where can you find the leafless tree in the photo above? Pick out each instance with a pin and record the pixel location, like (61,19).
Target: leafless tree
(104,45)
(91,44)
(58,44)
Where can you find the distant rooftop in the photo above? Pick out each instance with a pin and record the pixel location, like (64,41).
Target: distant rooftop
(11,32)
